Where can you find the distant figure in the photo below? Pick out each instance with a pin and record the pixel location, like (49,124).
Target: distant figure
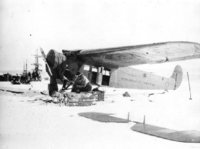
(28,78)
(81,84)
(33,76)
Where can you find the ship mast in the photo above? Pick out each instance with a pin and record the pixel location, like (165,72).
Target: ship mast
(37,64)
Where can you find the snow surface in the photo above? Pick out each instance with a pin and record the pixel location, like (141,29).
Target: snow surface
(26,123)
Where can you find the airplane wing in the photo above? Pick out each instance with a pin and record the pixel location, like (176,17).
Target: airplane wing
(139,54)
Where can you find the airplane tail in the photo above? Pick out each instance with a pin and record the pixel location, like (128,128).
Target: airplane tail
(133,78)
(177,76)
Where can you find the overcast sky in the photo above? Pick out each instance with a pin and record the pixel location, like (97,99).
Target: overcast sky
(26,25)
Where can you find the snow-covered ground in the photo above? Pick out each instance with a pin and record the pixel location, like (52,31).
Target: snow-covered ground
(26,123)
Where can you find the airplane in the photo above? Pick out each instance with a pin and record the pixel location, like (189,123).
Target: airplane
(110,66)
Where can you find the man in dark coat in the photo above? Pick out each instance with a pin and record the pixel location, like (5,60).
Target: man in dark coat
(57,64)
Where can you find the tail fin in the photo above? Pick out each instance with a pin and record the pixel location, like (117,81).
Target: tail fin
(177,76)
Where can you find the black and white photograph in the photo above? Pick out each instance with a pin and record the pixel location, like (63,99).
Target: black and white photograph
(99,74)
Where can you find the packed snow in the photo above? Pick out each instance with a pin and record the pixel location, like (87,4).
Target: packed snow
(26,123)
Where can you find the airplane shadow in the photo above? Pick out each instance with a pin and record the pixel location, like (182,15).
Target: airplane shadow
(103,117)
(160,132)
(187,136)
